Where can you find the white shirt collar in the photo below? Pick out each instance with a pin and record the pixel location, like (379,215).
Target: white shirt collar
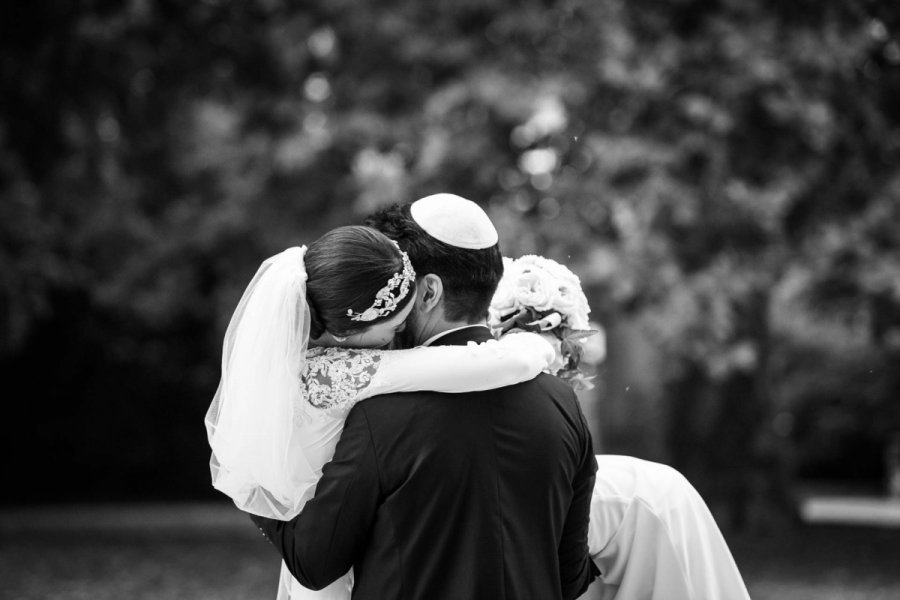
(434,338)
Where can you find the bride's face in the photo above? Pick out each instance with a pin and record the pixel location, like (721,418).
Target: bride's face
(380,334)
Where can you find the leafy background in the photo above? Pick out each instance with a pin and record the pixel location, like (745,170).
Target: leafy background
(724,175)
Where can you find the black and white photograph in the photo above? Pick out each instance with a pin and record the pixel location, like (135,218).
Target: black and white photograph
(450,300)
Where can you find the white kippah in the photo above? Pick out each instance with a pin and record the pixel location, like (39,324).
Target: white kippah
(455,221)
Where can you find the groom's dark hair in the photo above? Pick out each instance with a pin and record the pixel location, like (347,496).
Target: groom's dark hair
(470,277)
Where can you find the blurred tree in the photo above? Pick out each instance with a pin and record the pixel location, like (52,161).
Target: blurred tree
(720,169)
(723,175)
(142,147)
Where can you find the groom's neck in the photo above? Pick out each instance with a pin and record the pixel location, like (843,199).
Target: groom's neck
(443,326)
(449,325)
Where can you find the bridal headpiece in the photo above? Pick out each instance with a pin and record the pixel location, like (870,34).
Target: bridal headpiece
(385,300)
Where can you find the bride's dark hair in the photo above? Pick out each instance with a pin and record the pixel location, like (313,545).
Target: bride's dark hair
(346,267)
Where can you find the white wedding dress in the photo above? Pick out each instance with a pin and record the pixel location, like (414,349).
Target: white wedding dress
(651,534)
(653,537)
(280,408)
(335,379)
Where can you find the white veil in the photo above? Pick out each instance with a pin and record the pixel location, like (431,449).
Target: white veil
(256,459)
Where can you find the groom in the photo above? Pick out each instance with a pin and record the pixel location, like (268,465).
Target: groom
(483,495)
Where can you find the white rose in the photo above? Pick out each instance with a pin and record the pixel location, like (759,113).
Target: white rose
(579,321)
(504,301)
(563,273)
(528,260)
(570,299)
(571,302)
(555,269)
(566,299)
(543,284)
(535,287)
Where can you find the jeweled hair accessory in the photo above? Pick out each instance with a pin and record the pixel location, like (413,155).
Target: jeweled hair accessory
(385,302)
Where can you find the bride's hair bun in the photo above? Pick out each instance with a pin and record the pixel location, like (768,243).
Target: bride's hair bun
(347,267)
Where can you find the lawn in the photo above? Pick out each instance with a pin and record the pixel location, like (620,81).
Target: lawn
(184,557)
(821,563)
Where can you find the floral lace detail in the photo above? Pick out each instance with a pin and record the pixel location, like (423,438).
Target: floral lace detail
(334,377)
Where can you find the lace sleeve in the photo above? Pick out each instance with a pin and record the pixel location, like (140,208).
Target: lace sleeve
(336,377)
(512,359)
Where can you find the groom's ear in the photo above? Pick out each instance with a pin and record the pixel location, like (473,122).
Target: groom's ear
(431,292)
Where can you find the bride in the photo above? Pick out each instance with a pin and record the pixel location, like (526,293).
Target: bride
(308,341)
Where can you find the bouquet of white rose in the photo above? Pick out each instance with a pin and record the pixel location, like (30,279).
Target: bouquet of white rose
(540,295)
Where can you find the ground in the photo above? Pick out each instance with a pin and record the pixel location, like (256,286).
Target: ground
(174,553)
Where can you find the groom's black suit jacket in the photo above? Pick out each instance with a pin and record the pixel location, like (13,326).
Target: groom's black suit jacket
(471,496)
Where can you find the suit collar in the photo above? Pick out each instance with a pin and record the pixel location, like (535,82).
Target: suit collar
(462,336)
